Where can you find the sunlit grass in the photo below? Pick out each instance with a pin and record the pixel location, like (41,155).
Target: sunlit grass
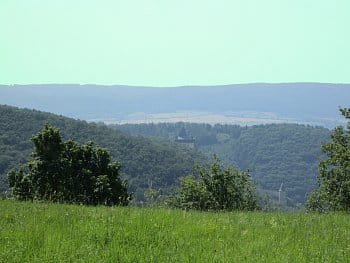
(40,232)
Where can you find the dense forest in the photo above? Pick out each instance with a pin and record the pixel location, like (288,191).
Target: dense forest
(274,153)
(144,161)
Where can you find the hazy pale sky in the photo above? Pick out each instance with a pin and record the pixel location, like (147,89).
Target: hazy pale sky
(167,42)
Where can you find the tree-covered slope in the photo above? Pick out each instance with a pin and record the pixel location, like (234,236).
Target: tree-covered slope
(274,153)
(143,160)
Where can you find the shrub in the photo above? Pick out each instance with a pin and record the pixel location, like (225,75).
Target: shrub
(68,172)
(217,188)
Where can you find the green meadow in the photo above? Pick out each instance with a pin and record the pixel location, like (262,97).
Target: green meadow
(44,232)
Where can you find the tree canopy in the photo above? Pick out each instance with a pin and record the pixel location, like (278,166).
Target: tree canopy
(333,192)
(69,172)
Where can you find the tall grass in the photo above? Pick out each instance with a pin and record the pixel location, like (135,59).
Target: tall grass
(40,232)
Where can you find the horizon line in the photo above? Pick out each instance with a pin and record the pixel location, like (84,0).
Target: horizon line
(174,86)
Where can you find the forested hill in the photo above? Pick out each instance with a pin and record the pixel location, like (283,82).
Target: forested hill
(274,153)
(143,160)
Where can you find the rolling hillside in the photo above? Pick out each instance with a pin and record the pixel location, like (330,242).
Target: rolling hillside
(274,153)
(143,160)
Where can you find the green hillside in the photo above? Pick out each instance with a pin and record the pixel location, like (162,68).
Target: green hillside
(42,232)
(144,160)
(274,153)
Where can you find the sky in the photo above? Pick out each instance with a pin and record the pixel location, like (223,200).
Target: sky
(171,43)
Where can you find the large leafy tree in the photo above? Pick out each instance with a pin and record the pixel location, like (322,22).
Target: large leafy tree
(334,172)
(216,188)
(69,172)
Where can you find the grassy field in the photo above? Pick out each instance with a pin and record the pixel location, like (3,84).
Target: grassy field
(40,232)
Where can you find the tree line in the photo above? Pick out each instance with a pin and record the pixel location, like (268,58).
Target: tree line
(274,153)
(85,174)
(69,172)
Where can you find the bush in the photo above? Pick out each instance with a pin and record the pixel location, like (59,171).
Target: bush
(217,188)
(68,172)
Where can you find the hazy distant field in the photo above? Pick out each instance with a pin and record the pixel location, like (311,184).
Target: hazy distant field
(238,118)
(197,117)
(33,232)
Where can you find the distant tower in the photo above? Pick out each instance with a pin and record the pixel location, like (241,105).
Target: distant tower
(279,193)
(184,139)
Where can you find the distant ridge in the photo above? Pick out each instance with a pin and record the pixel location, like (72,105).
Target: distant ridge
(176,86)
(305,102)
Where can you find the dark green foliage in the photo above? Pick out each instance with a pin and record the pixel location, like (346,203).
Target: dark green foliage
(317,201)
(273,153)
(69,172)
(334,172)
(217,188)
(143,159)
